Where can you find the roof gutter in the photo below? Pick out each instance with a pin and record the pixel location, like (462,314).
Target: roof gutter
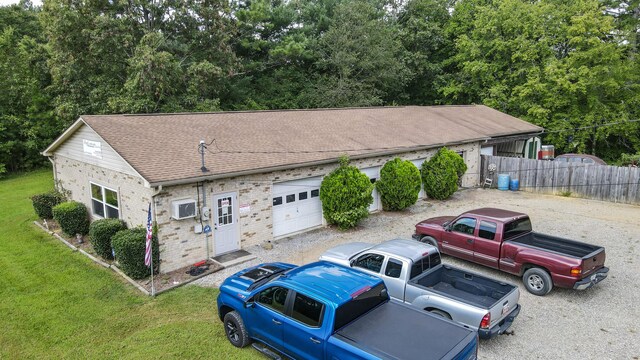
(310,163)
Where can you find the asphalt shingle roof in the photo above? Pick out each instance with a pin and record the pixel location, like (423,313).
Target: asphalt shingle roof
(163,147)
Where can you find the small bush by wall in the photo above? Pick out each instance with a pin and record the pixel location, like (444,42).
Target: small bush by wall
(399,184)
(457,160)
(439,175)
(346,195)
(101,231)
(43,203)
(72,217)
(129,246)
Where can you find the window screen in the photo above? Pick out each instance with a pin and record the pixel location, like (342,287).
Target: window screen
(307,310)
(394,268)
(464,225)
(371,262)
(274,298)
(487,230)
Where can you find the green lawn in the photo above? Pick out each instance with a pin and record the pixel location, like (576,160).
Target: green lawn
(55,303)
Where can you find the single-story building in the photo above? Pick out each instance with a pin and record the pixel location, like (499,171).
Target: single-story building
(257,174)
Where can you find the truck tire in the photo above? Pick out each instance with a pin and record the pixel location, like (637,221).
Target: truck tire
(235,330)
(429,240)
(440,313)
(537,281)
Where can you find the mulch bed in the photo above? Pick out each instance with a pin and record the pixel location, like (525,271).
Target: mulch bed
(162,282)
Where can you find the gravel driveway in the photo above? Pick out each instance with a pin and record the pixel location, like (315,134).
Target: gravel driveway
(599,323)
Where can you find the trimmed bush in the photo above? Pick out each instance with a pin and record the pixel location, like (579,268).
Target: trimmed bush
(101,231)
(439,175)
(346,195)
(43,203)
(458,161)
(72,217)
(129,246)
(399,184)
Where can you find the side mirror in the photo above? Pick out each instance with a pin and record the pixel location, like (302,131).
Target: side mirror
(249,304)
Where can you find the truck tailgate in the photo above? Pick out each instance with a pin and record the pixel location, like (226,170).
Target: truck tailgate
(504,306)
(425,336)
(592,262)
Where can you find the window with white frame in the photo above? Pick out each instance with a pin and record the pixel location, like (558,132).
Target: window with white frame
(104,201)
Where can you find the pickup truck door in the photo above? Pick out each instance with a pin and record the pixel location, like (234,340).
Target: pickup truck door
(459,237)
(304,334)
(486,249)
(267,315)
(372,263)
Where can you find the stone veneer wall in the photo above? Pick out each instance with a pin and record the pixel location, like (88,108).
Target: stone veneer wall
(73,178)
(181,246)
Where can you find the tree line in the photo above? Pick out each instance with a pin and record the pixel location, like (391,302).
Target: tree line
(569,66)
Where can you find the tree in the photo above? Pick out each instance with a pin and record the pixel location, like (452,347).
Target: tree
(399,184)
(422,32)
(359,59)
(346,195)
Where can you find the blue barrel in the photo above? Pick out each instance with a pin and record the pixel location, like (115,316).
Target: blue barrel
(503,181)
(514,185)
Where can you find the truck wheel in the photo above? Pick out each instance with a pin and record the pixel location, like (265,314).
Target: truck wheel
(429,240)
(441,313)
(235,330)
(537,281)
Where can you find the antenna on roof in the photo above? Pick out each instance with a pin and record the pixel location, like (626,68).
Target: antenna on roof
(201,148)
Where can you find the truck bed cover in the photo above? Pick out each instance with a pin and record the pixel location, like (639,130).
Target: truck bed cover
(380,331)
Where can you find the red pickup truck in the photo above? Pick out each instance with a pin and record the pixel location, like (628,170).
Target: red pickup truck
(503,240)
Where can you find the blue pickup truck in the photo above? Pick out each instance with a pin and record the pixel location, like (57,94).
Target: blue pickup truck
(328,311)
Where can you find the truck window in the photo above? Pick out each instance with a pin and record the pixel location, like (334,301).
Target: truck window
(371,262)
(273,297)
(464,225)
(516,228)
(424,264)
(487,230)
(307,310)
(394,268)
(358,306)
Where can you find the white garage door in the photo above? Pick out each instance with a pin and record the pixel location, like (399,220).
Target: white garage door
(296,206)
(374,174)
(418,164)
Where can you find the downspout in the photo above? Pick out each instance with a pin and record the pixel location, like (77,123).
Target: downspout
(55,173)
(155,193)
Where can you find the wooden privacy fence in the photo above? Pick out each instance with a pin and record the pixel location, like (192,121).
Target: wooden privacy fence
(601,182)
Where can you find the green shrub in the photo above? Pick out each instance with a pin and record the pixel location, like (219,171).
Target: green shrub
(72,217)
(346,195)
(101,232)
(458,162)
(129,246)
(43,203)
(439,175)
(399,184)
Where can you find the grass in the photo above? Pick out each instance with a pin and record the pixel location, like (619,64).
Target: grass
(55,303)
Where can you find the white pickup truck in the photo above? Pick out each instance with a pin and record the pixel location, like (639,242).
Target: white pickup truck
(414,274)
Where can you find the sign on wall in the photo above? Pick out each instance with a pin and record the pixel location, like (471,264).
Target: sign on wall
(245,208)
(93,148)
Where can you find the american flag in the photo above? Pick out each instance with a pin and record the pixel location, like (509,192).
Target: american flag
(147,251)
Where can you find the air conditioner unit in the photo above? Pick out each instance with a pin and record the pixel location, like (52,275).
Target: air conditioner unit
(183,209)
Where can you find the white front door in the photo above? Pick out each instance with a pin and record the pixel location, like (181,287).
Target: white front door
(225,220)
